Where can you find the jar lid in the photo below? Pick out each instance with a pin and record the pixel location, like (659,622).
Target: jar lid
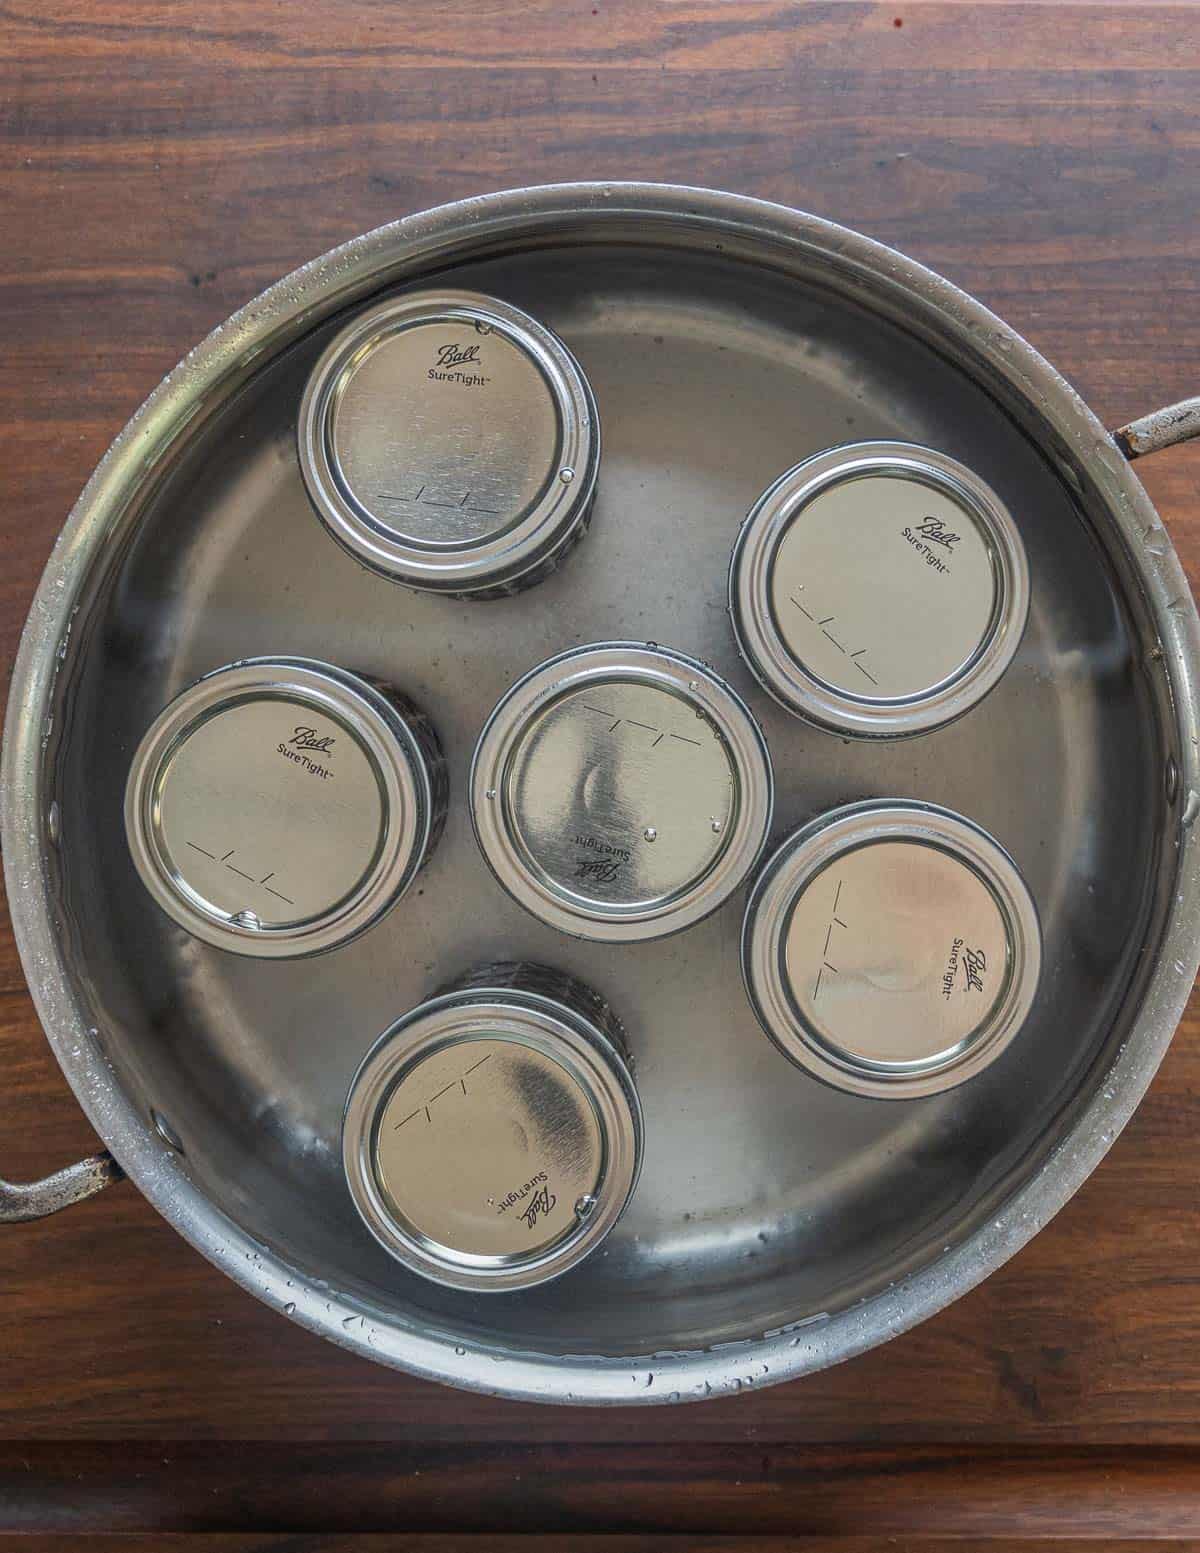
(279,806)
(879,589)
(492,1136)
(621,791)
(450,442)
(892,949)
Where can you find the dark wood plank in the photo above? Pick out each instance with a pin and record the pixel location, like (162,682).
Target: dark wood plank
(534,1542)
(159,166)
(706,1491)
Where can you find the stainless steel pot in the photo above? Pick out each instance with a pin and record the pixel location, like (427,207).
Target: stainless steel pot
(726,340)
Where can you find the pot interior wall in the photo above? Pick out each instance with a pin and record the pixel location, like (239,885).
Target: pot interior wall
(766,1198)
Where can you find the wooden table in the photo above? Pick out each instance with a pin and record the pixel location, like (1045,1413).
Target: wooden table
(161,165)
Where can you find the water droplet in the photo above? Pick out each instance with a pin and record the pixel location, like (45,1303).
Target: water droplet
(290,1308)
(566,475)
(247,918)
(54,822)
(716,825)
(584,1205)
(490,794)
(1191,808)
(1155,540)
(460,1350)
(650,833)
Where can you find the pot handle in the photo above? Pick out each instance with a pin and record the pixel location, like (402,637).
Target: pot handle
(39,1199)
(1160,429)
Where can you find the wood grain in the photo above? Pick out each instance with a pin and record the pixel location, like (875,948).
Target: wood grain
(719,1490)
(162,164)
(549,1542)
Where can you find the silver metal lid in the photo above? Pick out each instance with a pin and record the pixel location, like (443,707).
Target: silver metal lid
(621,791)
(492,1136)
(450,441)
(892,949)
(879,589)
(279,806)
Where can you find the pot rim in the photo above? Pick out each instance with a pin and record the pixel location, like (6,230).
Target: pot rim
(297,302)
